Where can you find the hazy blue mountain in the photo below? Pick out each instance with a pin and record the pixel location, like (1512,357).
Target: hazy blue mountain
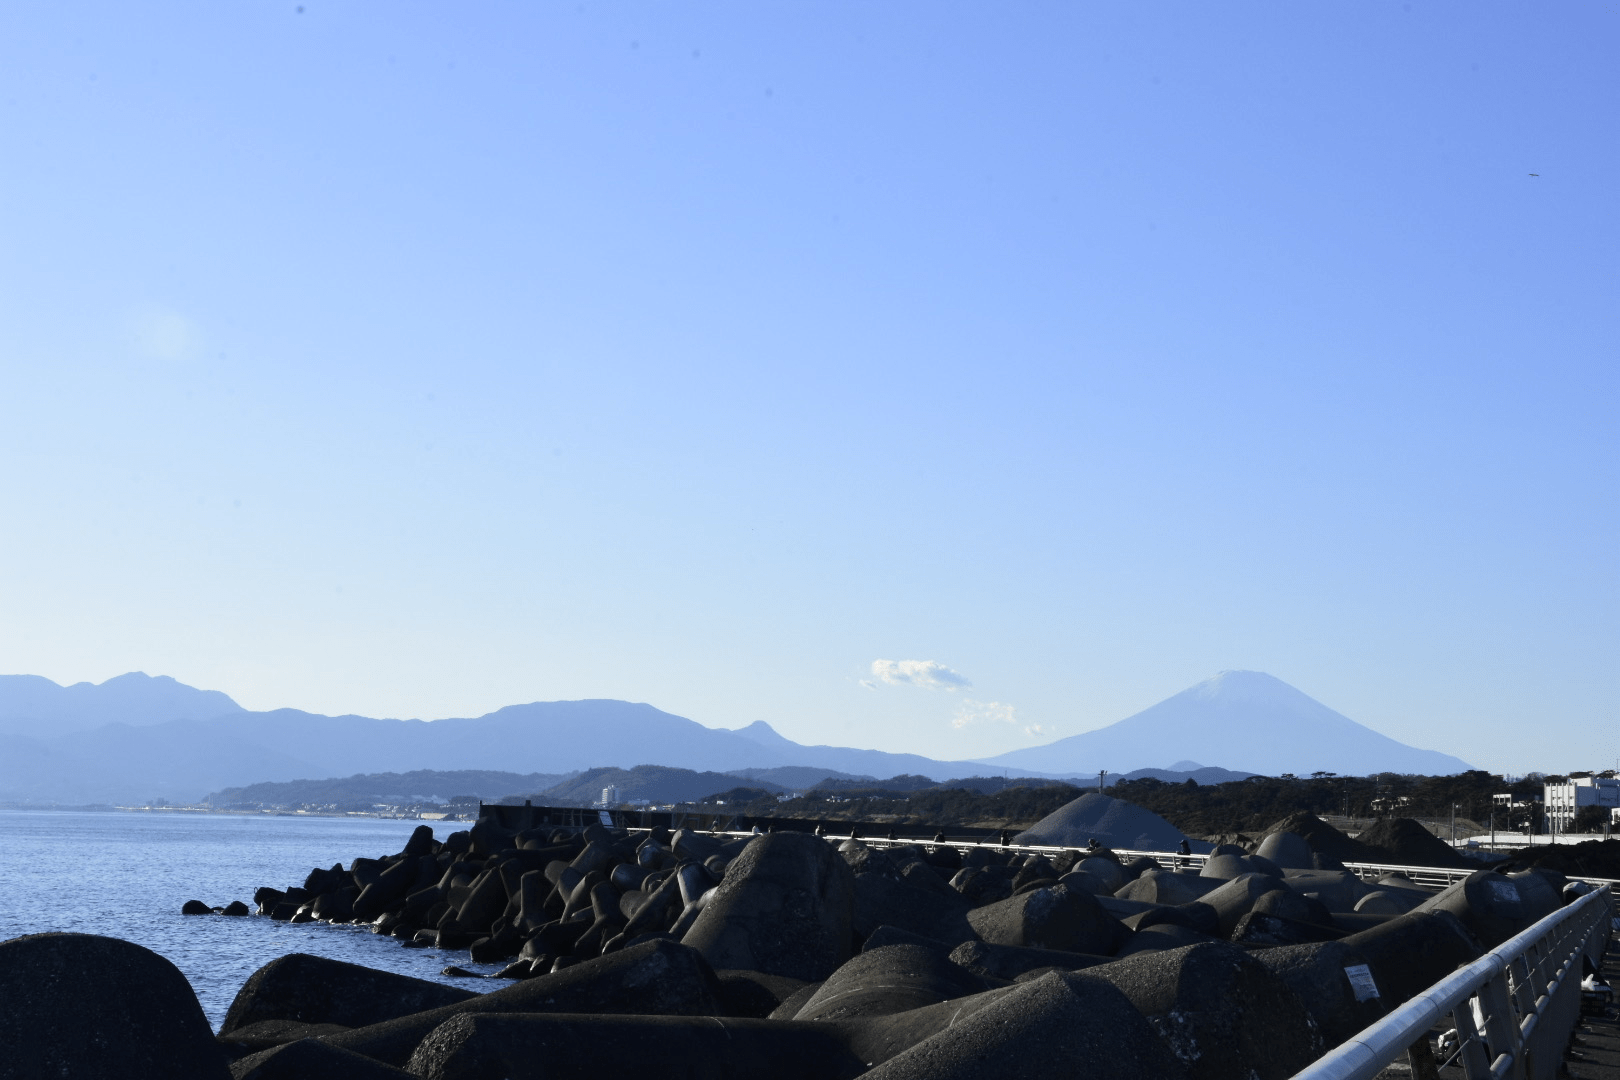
(182,760)
(1243,719)
(34,705)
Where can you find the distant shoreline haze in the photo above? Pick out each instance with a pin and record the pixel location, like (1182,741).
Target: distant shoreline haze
(136,738)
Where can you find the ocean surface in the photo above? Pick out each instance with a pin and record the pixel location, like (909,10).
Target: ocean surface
(126,874)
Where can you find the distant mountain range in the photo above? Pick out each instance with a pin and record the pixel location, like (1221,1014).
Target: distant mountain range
(136,738)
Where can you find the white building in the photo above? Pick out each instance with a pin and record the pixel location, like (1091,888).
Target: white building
(1563,800)
(610,796)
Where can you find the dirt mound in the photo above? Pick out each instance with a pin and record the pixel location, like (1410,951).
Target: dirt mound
(1591,858)
(1404,842)
(1114,823)
(1323,838)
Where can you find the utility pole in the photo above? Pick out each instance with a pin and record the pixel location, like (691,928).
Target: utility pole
(1102,775)
(1453,824)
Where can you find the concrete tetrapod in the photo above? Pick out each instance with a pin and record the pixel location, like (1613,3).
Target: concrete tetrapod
(81,1005)
(889,980)
(311,1059)
(503,1046)
(1051,918)
(1062,1024)
(784,908)
(1488,903)
(314,990)
(1222,1013)
(654,978)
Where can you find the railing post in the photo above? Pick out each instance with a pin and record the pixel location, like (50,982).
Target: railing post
(1476,1066)
(1501,1025)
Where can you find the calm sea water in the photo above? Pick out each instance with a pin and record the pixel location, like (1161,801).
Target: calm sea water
(125,875)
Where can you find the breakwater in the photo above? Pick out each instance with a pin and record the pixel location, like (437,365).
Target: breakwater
(837,958)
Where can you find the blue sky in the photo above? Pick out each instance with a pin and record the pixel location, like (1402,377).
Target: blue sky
(415,360)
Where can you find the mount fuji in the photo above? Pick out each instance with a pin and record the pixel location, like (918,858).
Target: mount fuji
(1244,719)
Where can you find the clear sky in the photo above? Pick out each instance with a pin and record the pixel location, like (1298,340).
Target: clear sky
(415,359)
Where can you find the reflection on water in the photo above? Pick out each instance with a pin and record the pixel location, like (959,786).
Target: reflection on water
(125,875)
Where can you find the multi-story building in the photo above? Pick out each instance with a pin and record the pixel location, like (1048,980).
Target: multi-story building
(1582,789)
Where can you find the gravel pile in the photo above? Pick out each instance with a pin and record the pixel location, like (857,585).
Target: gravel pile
(1113,823)
(1590,858)
(1405,842)
(1323,838)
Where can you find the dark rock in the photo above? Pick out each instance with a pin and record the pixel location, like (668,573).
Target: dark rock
(1055,918)
(473,1047)
(311,1059)
(236,908)
(195,907)
(1057,1025)
(1220,1011)
(658,977)
(78,1005)
(785,908)
(314,990)
(421,842)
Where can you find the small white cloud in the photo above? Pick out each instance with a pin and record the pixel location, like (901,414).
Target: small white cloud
(166,335)
(927,674)
(1035,731)
(869,684)
(981,712)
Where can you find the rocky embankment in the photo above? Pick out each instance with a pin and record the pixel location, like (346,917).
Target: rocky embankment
(785,955)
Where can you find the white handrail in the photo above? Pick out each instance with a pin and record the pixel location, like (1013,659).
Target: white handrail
(1560,937)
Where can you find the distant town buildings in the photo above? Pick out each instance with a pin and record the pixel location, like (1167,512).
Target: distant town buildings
(610,796)
(1564,801)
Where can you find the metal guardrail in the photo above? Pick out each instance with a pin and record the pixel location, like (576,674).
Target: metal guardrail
(1525,993)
